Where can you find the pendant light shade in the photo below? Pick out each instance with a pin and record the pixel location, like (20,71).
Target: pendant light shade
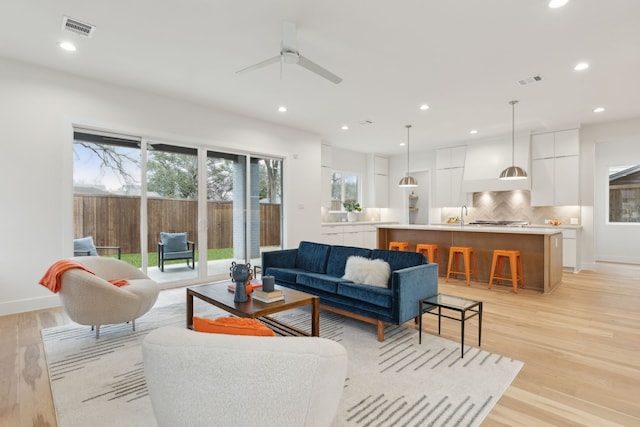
(408,180)
(513,171)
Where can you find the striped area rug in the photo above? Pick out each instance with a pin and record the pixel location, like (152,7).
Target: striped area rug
(394,383)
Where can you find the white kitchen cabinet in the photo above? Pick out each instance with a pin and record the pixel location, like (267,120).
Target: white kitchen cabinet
(358,235)
(332,234)
(570,249)
(555,168)
(380,165)
(449,187)
(326,155)
(567,181)
(380,191)
(449,173)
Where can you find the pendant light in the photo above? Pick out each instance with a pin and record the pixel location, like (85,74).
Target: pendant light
(408,180)
(513,171)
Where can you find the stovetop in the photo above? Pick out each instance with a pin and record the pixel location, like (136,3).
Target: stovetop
(499,223)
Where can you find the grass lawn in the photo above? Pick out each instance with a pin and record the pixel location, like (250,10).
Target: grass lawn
(152,259)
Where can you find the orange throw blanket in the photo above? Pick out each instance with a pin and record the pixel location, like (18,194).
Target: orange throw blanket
(51,278)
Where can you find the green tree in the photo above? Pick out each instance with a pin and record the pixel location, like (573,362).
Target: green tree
(270,180)
(173,175)
(219,179)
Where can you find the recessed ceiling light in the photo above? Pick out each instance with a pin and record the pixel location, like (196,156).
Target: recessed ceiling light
(473,131)
(344,127)
(402,144)
(424,107)
(598,109)
(67,46)
(554,4)
(581,66)
(282,109)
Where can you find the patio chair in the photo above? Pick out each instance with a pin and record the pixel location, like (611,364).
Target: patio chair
(175,246)
(86,247)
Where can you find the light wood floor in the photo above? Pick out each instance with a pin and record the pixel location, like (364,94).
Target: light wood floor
(580,346)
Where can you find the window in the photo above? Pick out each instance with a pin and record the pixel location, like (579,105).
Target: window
(624,193)
(344,186)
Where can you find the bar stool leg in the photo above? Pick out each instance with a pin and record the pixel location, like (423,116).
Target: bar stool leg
(513,264)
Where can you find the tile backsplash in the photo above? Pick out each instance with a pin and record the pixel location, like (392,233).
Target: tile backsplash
(512,206)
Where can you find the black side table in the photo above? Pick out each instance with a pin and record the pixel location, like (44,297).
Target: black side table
(466,307)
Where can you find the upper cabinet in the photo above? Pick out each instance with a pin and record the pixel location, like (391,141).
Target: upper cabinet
(555,168)
(379,191)
(449,172)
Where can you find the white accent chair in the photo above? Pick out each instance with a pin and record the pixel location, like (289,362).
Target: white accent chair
(202,379)
(90,299)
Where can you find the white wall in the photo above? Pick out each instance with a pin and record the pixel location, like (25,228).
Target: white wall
(39,107)
(602,146)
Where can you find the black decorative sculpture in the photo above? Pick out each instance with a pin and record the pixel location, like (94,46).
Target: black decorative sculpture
(240,274)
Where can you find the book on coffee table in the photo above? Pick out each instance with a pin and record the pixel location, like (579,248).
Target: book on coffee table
(267,299)
(255,285)
(270,294)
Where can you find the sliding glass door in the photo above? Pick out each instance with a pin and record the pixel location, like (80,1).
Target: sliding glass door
(195,211)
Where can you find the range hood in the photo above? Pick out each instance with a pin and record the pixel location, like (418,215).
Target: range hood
(485,160)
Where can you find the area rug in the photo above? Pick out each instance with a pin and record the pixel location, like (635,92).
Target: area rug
(394,383)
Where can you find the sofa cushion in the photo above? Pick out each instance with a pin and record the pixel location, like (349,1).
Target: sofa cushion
(288,275)
(338,258)
(374,272)
(399,259)
(321,282)
(381,297)
(312,257)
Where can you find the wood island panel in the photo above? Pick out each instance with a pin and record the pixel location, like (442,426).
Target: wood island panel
(541,252)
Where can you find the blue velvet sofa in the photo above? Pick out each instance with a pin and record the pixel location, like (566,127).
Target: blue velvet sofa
(318,268)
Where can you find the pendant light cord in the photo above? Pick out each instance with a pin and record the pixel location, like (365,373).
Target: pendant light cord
(408,168)
(513,132)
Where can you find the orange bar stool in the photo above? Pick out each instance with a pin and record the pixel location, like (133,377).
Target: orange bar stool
(515,264)
(399,246)
(431,252)
(468,259)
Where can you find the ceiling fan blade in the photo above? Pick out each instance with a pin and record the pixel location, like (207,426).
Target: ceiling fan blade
(289,37)
(260,64)
(315,68)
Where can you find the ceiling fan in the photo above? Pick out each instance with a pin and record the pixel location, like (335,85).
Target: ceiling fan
(289,55)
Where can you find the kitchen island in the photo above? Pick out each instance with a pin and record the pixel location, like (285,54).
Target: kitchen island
(540,248)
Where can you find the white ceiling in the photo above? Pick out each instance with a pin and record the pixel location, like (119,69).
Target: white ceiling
(462,57)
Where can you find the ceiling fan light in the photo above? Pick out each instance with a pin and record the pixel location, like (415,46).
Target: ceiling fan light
(408,181)
(513,172)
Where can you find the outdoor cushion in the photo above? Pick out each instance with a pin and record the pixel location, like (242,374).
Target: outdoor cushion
(84,245)
(312,257)
(174,242)
(338,257)
(176,255)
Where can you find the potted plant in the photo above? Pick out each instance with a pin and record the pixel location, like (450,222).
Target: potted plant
(351,206)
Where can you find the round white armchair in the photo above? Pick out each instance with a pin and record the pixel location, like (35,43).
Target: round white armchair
(89,299)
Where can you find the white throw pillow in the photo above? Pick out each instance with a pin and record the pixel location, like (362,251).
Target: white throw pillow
(374,272)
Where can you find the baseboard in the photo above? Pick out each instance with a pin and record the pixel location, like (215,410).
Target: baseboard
(31,304)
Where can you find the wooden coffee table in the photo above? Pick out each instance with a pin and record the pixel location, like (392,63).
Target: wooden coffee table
(217,294)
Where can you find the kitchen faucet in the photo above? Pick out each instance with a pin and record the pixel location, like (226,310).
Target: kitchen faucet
(463,211)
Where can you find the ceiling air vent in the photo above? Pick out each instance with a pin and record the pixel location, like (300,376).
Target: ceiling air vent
(77,27)
(530,80)
(366,122)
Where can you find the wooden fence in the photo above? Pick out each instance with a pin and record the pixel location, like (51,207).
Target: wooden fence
(115,221)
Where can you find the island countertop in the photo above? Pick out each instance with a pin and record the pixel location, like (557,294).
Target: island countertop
(540,248)
(477,228)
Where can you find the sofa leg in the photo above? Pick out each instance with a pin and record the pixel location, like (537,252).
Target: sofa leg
(380,330)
